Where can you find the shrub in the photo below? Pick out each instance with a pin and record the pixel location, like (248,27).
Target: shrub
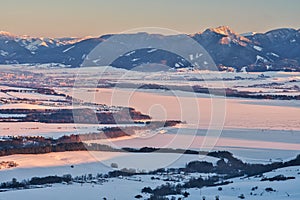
(147,190)
(138,196)
(186,194)
(269,189)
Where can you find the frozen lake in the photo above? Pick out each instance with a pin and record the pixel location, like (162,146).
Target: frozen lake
(198,109)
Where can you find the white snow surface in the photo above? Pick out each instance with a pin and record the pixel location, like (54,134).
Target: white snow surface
(85,162)
(126,189)
(258,48)
(68,49)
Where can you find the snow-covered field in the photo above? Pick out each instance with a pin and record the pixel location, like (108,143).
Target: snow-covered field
(4,95)
(91,162)
(284,189)
(23,106)
(126,189)
(35,96)
(50,130)
(274,82)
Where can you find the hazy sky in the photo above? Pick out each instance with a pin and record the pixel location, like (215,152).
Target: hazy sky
(57,18)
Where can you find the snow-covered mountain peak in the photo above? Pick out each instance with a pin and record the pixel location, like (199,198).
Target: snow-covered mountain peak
(223,30)
(228,36)
(34,43)
(7,34)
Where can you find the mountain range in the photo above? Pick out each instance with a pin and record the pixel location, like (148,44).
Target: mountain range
(271,51)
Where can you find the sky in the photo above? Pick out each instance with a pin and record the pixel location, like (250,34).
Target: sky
(59,18)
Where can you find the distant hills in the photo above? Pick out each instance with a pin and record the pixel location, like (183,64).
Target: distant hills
(271,51)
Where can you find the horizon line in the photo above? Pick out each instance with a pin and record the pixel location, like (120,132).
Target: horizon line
(124,32)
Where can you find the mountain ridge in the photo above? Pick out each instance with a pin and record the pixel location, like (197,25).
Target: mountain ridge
(277,49)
